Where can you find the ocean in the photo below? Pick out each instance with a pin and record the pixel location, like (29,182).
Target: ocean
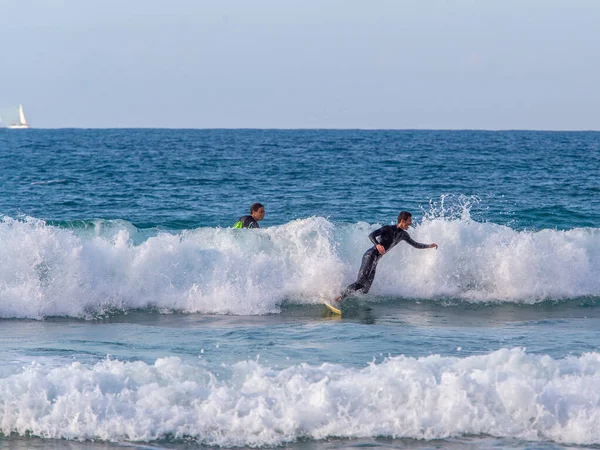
(132,314)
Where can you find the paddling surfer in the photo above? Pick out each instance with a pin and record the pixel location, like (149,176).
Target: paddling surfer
(257,212)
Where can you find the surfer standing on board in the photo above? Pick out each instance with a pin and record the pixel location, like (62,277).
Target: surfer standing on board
(383,239)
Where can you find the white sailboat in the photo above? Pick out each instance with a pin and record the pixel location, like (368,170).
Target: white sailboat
(22,122)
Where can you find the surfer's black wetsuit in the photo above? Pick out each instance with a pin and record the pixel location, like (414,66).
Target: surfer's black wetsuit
(247,222)
(389,236)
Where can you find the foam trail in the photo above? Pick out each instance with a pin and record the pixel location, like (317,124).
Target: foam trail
(47,270)
(507,393)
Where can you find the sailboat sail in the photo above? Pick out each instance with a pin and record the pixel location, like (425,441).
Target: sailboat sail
(22,116)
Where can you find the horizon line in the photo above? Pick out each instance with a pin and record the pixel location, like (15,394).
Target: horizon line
(572,130)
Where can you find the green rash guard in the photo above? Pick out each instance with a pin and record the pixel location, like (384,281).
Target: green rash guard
(246,222)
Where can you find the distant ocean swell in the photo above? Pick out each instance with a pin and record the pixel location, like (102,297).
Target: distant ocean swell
(82,271)
(506,393)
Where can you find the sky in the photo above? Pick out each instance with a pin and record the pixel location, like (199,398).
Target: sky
(377,64)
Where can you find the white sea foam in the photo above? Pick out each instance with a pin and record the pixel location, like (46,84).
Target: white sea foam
(507,393)
(47,270)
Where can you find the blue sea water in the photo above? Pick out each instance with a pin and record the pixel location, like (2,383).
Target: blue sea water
(132,314)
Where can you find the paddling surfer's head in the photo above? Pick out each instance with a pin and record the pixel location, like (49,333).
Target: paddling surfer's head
(257,211)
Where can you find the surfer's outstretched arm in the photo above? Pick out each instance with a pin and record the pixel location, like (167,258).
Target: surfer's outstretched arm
(415,244)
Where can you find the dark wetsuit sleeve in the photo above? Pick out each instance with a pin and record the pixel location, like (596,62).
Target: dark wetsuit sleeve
(415,244)
(374,234)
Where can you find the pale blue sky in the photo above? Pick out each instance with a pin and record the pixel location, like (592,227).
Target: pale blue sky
(513,64)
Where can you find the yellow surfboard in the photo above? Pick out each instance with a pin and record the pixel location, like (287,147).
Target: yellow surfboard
(333,309)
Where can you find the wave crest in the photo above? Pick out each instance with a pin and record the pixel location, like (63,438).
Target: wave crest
(46,270)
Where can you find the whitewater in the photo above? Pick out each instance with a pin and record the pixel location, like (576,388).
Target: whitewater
(52,271)
(504,393)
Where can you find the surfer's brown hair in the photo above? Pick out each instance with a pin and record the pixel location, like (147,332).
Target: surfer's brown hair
(255,207)
(404,215)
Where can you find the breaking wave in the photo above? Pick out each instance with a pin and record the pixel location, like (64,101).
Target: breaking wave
(90,269)
(506,393)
